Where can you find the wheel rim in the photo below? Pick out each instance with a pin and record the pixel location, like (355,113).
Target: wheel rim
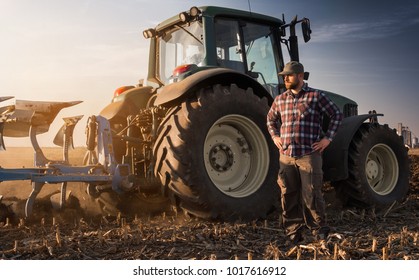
(382,169)
(236,156)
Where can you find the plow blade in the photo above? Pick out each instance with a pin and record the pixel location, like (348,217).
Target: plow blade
(66,132)
(24,114)
(28,118)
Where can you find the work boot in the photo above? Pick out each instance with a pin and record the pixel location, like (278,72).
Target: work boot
(322,233)
(296,238)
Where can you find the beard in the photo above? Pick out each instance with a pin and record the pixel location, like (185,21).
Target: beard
(292,85)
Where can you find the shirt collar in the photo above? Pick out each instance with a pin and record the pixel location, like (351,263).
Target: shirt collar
(304,89)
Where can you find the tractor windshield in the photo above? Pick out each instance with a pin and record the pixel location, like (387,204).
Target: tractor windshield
(183,45)
(248,47)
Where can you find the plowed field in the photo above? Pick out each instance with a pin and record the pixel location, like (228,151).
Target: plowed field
(390,233)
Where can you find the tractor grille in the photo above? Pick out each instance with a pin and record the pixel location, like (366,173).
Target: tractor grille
(350,110)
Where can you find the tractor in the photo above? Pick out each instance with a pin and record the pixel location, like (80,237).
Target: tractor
(193,133)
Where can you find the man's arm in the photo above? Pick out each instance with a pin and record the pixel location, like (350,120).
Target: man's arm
(333,112)
(273,120)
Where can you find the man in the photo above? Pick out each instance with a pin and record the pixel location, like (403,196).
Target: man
(295,124)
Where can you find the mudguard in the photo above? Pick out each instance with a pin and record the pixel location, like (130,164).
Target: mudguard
(177,91)
(335,157)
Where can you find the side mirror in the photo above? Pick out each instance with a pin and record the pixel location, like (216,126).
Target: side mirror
(252,65)
(305,26)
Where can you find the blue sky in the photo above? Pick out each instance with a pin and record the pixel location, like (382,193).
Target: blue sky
(84,49)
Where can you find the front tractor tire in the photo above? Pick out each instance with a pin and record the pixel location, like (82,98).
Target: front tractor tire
(216,156)
(378,168)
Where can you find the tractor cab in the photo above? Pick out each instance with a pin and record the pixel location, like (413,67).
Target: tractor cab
(208,37)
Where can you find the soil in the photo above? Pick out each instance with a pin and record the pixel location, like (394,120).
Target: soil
(358,234)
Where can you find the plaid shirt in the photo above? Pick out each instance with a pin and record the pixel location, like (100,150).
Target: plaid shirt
(297,119)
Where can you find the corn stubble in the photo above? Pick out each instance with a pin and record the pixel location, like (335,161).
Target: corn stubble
(390,233)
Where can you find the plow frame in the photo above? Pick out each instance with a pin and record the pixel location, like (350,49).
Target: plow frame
(100,173)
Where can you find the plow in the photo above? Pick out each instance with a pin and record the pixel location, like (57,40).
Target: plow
(30,118)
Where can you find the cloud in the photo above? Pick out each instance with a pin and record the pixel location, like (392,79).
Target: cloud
(345,32)
(374,27)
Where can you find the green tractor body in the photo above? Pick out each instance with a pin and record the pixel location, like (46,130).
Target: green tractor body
(195,130)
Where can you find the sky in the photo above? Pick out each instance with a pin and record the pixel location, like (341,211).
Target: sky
(59,50)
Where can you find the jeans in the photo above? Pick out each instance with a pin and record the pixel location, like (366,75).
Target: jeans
(301,180)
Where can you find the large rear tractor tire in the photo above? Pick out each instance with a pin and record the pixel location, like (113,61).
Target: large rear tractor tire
(216,156)
(378,168)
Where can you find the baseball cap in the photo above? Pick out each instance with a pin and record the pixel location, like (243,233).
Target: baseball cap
(292,67)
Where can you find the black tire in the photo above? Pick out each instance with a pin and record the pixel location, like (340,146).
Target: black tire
(378,168)
(216,156)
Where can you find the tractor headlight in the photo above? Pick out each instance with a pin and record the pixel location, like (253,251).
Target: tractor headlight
(184,17)
(149,33)
(194,11)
